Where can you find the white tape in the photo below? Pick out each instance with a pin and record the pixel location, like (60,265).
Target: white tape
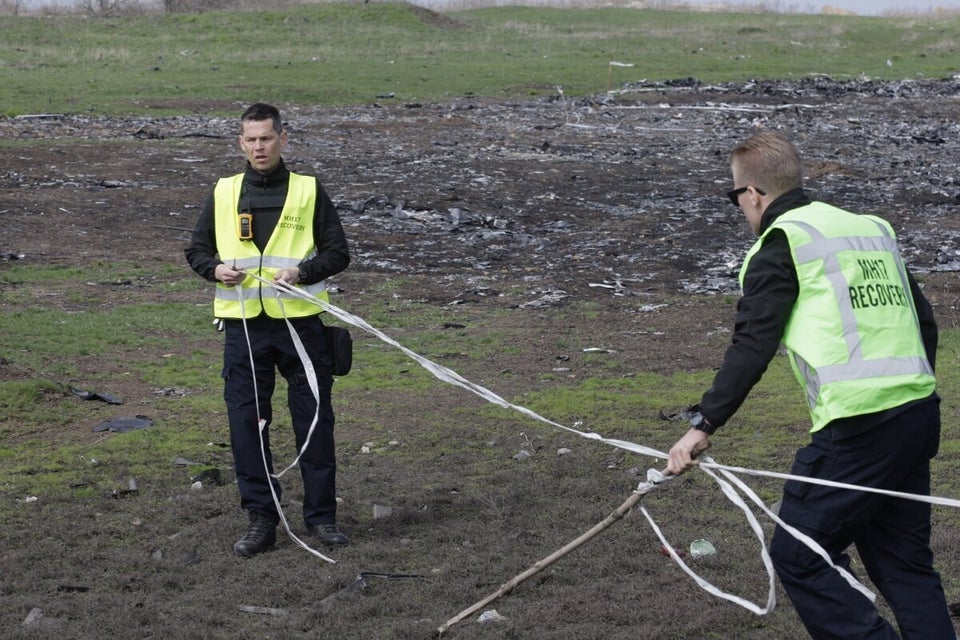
(707,464)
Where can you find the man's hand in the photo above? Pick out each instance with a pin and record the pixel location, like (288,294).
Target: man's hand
(682,457)
(290,275)
(228,275)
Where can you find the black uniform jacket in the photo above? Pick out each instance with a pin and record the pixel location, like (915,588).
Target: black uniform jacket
(263,195)
(770,290)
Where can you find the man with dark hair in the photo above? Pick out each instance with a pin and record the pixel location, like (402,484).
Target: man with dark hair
(862,340)
(281,226)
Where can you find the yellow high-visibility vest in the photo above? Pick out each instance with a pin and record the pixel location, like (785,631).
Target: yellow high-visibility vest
(853,338)
(289,245)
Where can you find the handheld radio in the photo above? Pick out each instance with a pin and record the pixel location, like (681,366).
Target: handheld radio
(245,226)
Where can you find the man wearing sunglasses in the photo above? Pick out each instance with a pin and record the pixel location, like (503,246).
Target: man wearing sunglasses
(832,287)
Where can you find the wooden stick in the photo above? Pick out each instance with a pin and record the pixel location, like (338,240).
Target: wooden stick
(508,586)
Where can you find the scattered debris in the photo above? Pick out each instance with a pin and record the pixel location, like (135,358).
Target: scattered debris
(633,213)
(360,584)
(33,617)
(548,299)
(121,425)
(209,476)
(491,615)
(269,611)
(123,493)
(72,588)
(701,548)
(178,392)
(95,395)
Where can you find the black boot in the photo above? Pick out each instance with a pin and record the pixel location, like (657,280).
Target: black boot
(329,534)
(260,536)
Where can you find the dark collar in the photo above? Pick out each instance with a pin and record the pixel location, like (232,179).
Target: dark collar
(278,175)
(787,202)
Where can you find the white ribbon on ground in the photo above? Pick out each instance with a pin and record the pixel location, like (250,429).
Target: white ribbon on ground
(655,477)
(707,464)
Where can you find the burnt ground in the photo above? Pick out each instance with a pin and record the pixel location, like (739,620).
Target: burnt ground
(544,208)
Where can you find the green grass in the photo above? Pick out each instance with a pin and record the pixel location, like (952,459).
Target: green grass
(771,422)
(338,54)
(60,337)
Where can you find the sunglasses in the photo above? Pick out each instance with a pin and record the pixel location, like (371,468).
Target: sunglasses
(735,194)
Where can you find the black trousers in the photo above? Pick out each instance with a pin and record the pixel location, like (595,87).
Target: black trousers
(271,349)
(891,535)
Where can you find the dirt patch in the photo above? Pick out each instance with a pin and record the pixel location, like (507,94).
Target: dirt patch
(536,207)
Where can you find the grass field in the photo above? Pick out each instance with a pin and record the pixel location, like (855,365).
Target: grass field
(341,54)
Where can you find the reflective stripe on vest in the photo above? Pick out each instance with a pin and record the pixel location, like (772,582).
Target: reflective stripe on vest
(853,339)
(289,245)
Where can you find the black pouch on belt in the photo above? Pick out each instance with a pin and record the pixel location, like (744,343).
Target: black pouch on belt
(340,345)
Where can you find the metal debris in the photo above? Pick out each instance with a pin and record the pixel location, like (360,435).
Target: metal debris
(618,190)
(33,617)
(490,615)
(209,476)
(95,395)
(122,425)
(268,611)
(359,584)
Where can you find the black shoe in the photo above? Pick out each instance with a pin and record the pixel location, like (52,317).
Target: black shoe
(260,536)
(329,534)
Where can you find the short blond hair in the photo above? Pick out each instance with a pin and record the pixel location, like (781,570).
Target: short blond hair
(769,162)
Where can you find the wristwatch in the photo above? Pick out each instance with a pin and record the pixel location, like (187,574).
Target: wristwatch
(700,423)
(301,274)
